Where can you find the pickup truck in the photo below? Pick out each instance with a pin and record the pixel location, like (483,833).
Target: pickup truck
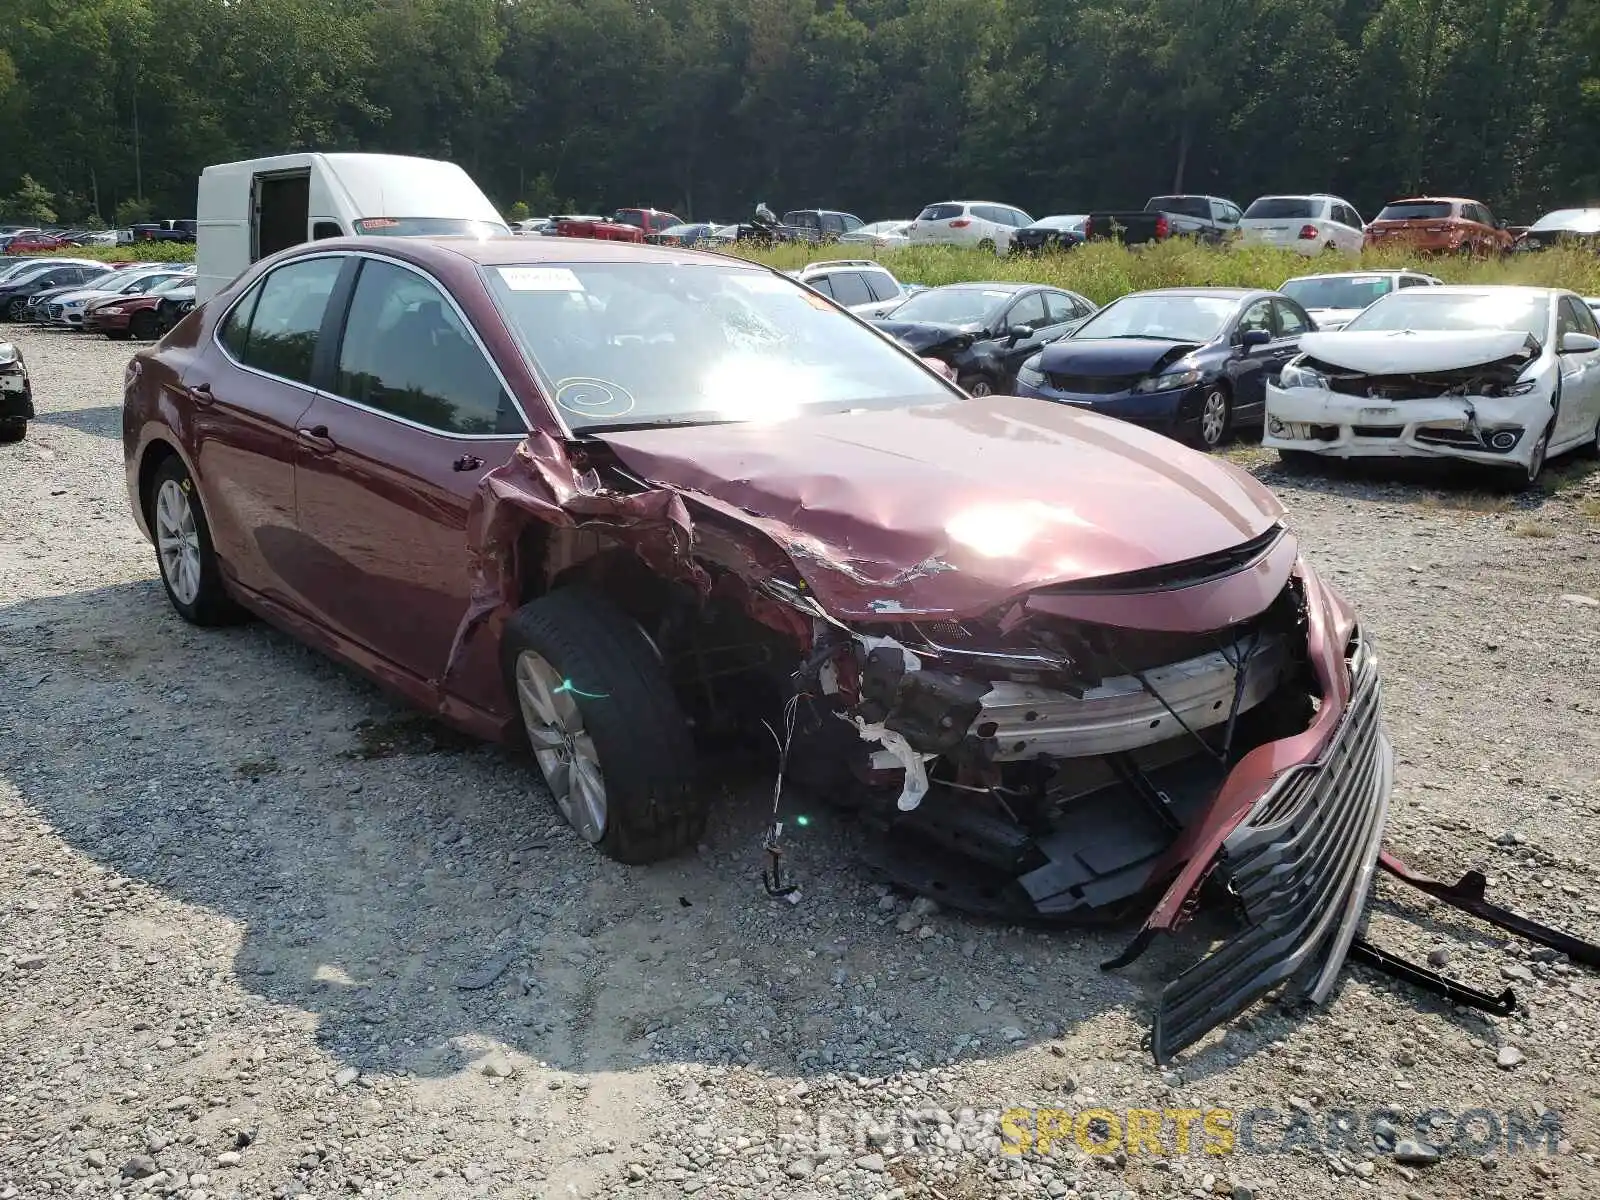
(1207,218)
(624,225)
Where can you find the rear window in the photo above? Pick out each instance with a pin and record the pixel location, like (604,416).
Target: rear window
(1417,210)
(1185,206)
(1282,208)
(940,212)
(803,219)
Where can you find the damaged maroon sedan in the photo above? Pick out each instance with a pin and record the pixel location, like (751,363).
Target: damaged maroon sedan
(621,501)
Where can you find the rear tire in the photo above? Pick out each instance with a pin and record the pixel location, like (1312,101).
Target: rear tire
(987,246)
(118,335)
(612,725)
(190,570)
(13,430)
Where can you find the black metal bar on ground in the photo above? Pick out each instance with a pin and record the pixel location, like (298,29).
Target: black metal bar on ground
(1362,951)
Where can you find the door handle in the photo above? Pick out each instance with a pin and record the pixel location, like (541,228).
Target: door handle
(317,438)
(200,393)
(467,462)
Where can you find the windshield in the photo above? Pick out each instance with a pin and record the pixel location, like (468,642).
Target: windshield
(1415,210)
(1429,309)
(1338,291)
(646,344)
(1281,208)
(1063,222)
(165,283)
(1575,220)
(429,227)
(953,305)
(1168,317)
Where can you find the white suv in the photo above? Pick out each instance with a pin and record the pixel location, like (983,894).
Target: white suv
(859,284)
(1308,224)
(978,223)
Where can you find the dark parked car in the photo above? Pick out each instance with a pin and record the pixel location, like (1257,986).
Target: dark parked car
(1050,233)
(146,315)
(984,330)
(1204,218)
(614,501)
(16,394)
(1580,226)
(820,224)
(28,280)
(1190,362)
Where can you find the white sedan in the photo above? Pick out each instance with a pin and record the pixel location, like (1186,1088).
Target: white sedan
(1334,299)
(1503,376)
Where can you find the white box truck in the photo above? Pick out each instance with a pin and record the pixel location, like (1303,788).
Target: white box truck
(248,210)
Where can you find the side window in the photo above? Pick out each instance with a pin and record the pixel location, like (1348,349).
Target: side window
(1569,319)
(1257,316)
(849,288)
(236,327)
(832,223)
(882,284)
(405,352)
(822,283)
(1485,216)
(988,212)
(1586,320)
(1290,322)
(1029,310)
(1059,307)
(1412,281)
(1219,212)
(851,224)
(326,229)
(288,316)
(1084,307)
(1019,218)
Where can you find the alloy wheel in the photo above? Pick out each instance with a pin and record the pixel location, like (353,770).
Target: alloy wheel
(563,747)
(980,387)
(178,542)
(1213,417)
(1541,449)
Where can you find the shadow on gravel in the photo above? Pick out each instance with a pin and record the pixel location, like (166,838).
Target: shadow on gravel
(1428,483)
(105,421)
(417,894)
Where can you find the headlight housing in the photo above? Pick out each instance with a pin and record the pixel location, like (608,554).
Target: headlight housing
(1170,381)
(1520,388)
(114,311)
(1030,374)
(1296,374)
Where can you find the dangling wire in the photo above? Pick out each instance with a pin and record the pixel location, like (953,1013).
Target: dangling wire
(772,879)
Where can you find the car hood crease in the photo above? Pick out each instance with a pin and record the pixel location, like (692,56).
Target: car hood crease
(955,508)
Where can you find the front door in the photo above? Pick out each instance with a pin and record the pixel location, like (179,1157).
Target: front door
(389,460)
(1580,376)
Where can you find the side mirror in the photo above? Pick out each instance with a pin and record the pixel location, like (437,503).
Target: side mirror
(1253,338)
(1579,343)
(1018,333)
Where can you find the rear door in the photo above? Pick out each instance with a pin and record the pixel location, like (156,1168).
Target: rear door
(413,414)
(248,388)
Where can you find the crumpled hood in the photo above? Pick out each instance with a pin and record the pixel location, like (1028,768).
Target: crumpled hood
(957,507)
(1404,351)
(924,335)
(1111,356)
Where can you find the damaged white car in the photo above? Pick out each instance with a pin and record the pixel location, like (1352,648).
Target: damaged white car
(1503,376)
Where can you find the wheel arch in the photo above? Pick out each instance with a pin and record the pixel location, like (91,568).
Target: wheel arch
(156,451)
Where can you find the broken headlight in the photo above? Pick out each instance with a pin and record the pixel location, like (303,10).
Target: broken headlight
(1171,381)
(1297,375)
(1029,374)
(1521,388)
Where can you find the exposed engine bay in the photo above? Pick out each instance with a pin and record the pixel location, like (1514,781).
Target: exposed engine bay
(1482,379)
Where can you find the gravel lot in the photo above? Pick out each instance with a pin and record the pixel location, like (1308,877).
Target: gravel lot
(252,911)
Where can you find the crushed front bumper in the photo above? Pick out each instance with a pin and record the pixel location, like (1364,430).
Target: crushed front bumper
(1300,865)
(1495,430)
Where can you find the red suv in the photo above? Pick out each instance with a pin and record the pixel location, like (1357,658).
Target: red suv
(1439,225)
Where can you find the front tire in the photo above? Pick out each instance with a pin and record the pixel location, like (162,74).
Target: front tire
(604,725)
(1216,417)
(16,310)
(190,571)
(987,246)
(1298,461)
(144,327)
(975,385)
(1534,471)
(13,430)
(118,335)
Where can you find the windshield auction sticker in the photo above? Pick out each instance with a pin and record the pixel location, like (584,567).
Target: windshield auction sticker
(541,279)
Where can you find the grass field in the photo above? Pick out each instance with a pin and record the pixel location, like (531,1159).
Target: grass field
(1104,271)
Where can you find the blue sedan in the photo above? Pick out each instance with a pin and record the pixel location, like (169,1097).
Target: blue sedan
(1190,362)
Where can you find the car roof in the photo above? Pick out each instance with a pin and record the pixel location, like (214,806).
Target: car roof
(1361,274)
(1432,200)
(1494,289)
(1236,293)
(1009,285)
(515,251)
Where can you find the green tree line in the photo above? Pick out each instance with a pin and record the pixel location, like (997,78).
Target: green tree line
(111,107)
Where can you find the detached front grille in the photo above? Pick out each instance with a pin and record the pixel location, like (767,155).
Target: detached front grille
(1301,866)
(1093,385)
